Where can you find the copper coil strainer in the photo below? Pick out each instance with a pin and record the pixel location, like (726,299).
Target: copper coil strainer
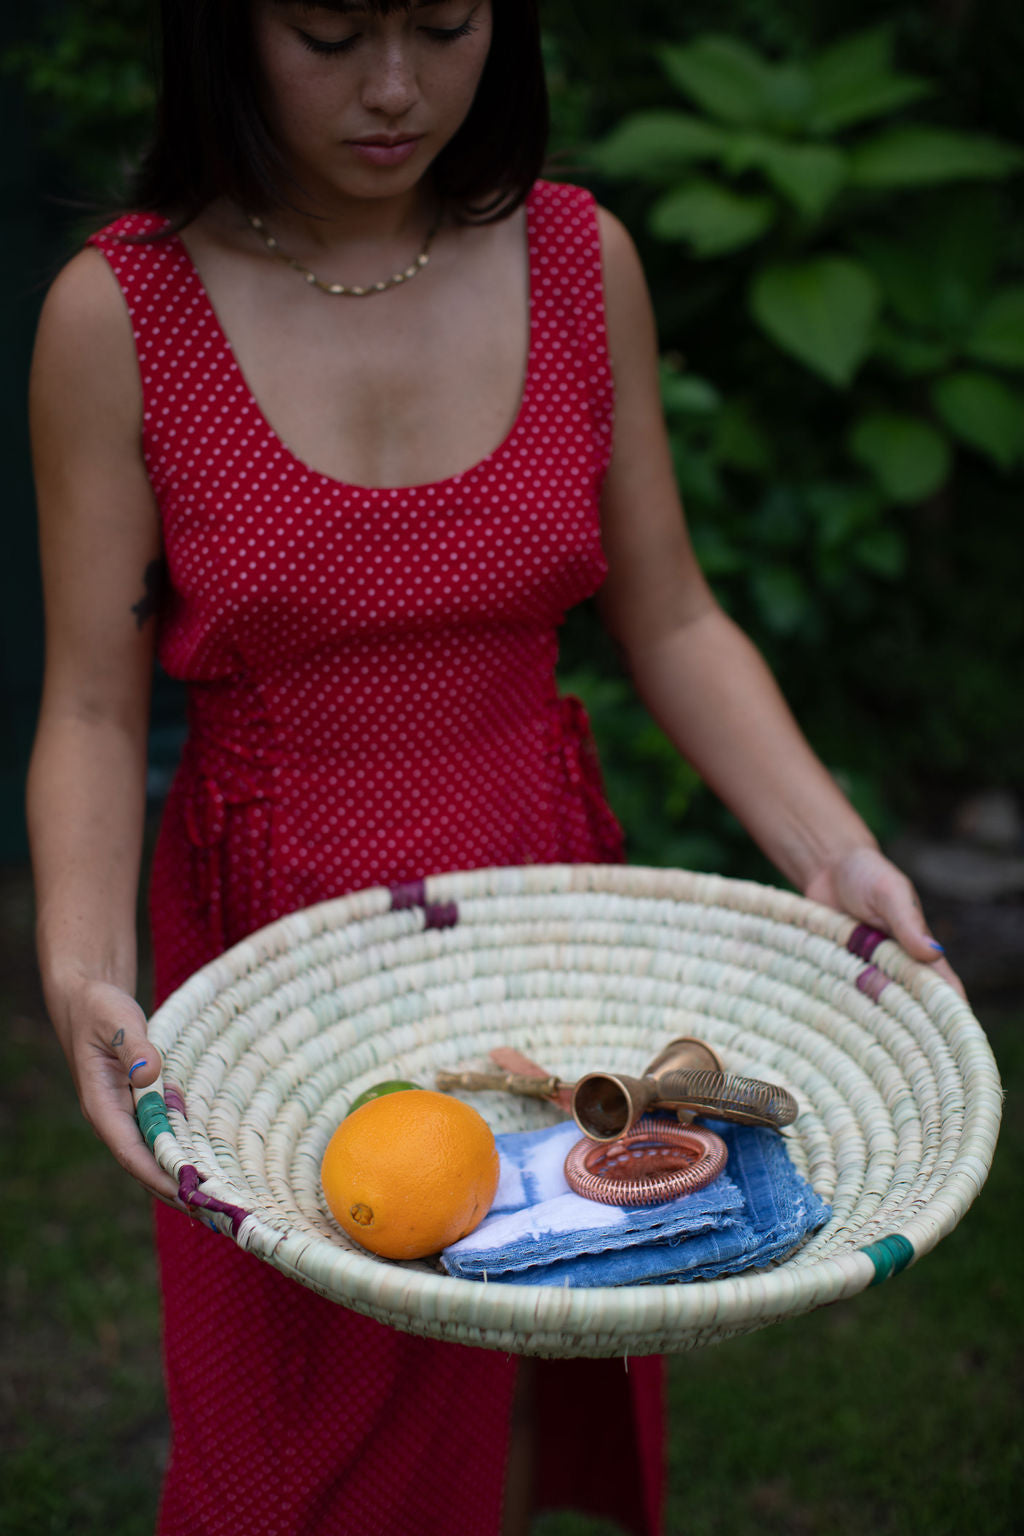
(657,1160)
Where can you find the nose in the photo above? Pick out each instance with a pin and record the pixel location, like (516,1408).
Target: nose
(390,86)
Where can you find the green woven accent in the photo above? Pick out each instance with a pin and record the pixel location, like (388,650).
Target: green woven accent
(889,1255)
(151,1113)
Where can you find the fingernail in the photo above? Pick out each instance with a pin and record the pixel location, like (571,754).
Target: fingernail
(936,945)
(135,1066)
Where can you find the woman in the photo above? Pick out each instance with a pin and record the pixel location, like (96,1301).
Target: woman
(363,594)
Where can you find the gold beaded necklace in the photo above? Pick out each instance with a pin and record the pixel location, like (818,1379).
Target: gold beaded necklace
(352,291)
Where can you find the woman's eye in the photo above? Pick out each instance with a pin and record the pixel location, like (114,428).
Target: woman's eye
(450,34)
(321,45)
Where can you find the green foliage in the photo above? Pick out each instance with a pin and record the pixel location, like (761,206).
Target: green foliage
(821,310)
(856,326)
(90,69)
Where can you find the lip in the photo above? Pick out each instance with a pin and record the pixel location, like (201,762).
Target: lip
(381,150)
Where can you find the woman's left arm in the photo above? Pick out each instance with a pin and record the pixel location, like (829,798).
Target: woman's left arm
(702,679)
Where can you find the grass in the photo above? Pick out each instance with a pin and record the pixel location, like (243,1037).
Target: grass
(897,1413)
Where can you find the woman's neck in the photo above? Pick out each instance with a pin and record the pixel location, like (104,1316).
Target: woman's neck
(346,225)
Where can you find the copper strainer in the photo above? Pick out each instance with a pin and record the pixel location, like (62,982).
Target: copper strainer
(686,1076)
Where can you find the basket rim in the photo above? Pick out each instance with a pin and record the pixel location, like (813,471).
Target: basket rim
(621,1316)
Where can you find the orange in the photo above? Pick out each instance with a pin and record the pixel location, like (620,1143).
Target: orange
(410,1172)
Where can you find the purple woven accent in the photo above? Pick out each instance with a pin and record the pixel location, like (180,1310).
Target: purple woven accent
(189,1181)
(872,981)
(175,1099)
(441,914)
(864,940)
(411,893)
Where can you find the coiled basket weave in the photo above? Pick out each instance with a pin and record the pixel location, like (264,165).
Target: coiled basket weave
(582,968)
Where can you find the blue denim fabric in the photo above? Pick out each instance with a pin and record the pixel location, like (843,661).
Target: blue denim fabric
(539,1233)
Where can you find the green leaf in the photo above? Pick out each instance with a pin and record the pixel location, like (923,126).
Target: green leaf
(740,442)
(781,596)
(913,357)
(653,145)
(716,556)
(876,98)
(917,156)
(852,61)
(696,472)
(908,457)
(821,311)
(854,81)
(841,509)
(721,75)
(686,394)
(882,551)
(788,94)
(778,522)
(710,218)
(998,336)
(809,175)
(984,413)
(939,269)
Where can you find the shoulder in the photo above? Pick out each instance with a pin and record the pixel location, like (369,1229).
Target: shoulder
(621,269)
(619,255)
(85,351)
(84,305)
(88,291)
(628,311)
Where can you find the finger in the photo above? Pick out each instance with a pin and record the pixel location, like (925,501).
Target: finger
(946,971)
(123,1057)
(115,1124)
(129,1042)
(909,929)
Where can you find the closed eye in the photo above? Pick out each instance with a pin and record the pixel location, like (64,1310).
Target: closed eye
(321,46)
(449,34)
(440,35)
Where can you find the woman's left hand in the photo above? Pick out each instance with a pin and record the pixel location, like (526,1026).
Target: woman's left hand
(867,885)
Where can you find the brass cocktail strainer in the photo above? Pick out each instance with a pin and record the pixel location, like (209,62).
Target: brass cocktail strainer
(686,1076)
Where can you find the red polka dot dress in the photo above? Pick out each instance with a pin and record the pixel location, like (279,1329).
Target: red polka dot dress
(372,699)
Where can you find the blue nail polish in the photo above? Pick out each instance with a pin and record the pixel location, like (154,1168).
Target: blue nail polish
(936,945)
(135,1066)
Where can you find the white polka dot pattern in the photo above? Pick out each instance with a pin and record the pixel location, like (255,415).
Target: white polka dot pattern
(372,699)
(371,671)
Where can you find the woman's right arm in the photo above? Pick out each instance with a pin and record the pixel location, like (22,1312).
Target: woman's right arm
(100,549)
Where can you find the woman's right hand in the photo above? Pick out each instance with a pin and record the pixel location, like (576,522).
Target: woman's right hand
(100,545)
(109,1051)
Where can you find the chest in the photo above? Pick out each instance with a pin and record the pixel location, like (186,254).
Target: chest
(407,387)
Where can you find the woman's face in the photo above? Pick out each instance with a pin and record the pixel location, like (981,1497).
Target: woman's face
(360,103)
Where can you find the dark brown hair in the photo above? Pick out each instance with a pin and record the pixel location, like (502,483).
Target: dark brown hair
(211,139)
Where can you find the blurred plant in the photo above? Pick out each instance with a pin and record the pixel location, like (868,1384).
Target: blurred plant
(863,328)
(89,66)
(839,274)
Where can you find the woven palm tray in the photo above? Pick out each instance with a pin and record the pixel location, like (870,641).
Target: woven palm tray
(582,968)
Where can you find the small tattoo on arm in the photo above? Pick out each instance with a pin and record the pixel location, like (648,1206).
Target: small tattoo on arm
(118,1039)
(148,604)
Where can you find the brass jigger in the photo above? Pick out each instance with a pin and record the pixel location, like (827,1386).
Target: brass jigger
(686,1076)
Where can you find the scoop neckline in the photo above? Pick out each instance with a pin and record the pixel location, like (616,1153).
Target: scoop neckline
(352,486)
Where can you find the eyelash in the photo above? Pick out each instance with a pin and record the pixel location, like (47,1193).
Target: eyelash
(441,35)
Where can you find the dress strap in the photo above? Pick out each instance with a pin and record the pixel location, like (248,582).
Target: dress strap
(192,396)
(568,301)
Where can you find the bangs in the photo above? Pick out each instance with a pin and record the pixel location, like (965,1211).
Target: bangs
(355,7)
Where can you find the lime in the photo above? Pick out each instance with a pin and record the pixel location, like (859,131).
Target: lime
(394,1085)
